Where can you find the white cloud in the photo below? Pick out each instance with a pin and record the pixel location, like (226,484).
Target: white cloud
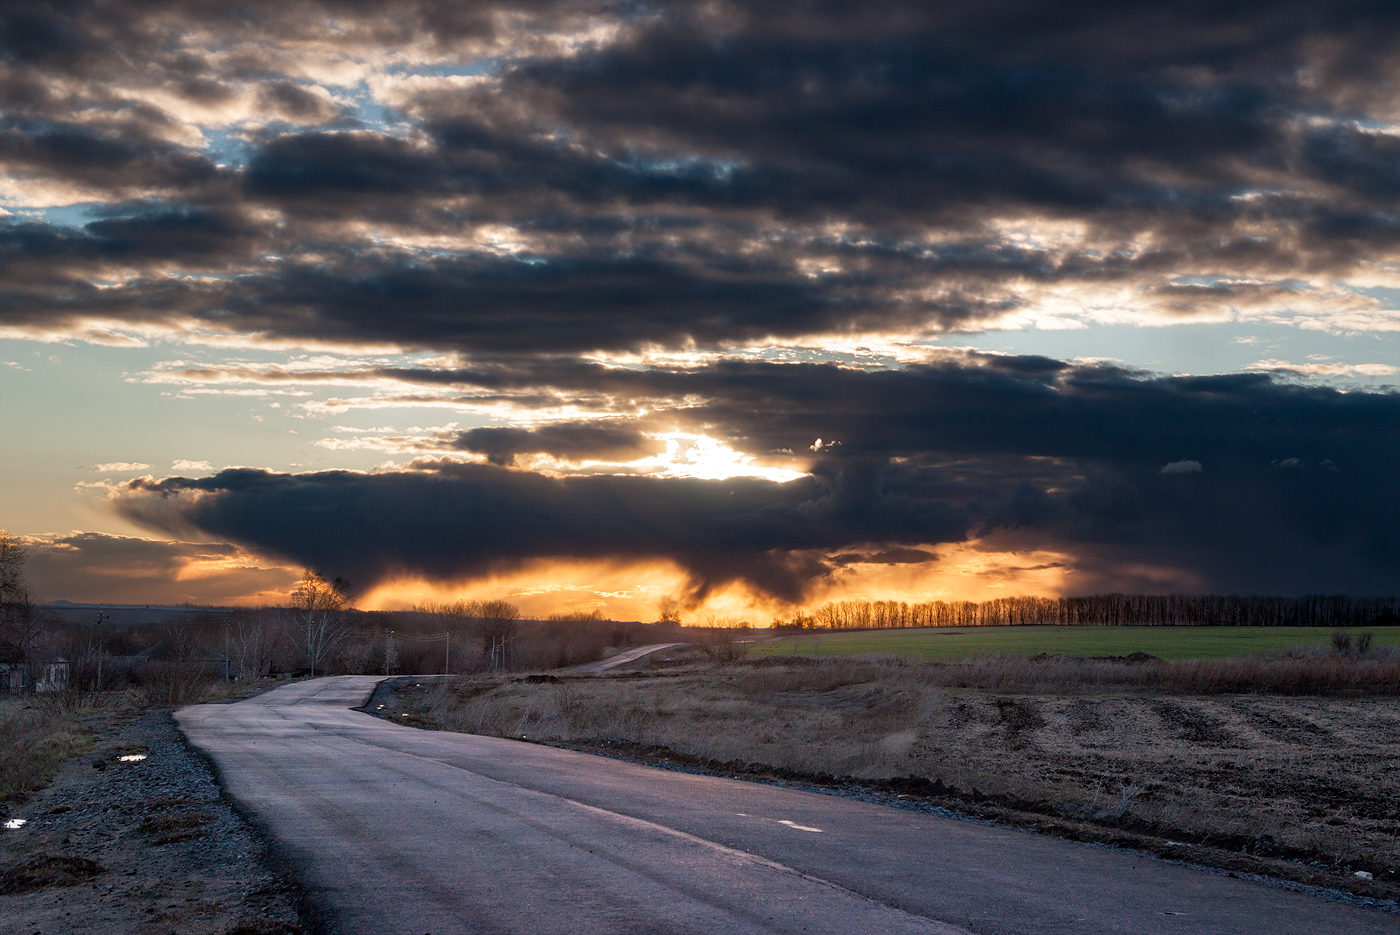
(121,466)
(1325,369)
(184,465)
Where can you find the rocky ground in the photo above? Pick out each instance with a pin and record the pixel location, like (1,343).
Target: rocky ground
(135,836)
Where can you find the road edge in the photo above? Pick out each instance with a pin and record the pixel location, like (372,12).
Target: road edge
(313,917)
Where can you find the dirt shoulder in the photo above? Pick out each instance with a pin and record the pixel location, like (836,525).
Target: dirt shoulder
(1297,790)
(145,845)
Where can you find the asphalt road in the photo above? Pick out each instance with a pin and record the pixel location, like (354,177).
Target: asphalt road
(623,658)
(400,830)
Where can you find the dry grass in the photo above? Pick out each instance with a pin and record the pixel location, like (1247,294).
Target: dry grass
(1301,673)
(43,871)
(1276,768)
(33,742)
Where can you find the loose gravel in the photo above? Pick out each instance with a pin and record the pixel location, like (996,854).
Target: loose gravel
(135,836)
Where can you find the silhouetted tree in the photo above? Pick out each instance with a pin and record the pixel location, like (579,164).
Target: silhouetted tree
(20,627)
(1315,610)
(318,616)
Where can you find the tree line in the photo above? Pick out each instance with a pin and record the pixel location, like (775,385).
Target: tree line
(1156,610)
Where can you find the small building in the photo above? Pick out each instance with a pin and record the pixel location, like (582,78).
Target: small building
(19,677)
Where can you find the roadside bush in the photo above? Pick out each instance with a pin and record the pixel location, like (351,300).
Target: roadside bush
(724,643)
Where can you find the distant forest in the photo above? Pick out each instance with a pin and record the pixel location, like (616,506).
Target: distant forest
(1154,610)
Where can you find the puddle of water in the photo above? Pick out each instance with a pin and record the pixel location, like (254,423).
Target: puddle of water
(132,758)
(14,824)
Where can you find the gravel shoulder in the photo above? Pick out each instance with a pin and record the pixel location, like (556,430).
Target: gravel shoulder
(145,845)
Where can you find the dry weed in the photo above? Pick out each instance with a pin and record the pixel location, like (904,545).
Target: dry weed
(33,741)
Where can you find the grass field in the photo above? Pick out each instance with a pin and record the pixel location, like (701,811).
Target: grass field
(951,643)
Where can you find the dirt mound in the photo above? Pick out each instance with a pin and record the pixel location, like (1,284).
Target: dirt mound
(1136,658)
(46,870)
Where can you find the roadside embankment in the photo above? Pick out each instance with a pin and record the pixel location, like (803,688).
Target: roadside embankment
(1186,762)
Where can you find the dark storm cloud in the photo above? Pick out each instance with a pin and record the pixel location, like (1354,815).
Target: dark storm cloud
(707,174)
(886,557)
(468,520)
(107,159)
(299,105)
(1025,452)
(1054,456)
(574,441)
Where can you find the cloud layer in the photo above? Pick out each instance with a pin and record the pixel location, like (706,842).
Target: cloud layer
(93,567)
(1233,483)
(552,177)
(605,227)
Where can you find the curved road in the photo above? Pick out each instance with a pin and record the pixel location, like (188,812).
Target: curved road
(621,659)
(395,829)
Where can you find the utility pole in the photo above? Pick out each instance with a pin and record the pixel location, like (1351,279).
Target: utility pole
(388,648)
(225,649)
(447,655)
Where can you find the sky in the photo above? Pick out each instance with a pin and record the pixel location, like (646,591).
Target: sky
(729,309)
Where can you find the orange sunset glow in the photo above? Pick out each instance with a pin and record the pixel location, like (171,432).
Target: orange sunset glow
(640,590)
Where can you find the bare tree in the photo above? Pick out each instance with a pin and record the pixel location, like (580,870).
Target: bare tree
(724,640)
(255,639)
(669,612)
(494,622)
(20,627)
(182,675)
(456,619)
(497,624)
(318,616)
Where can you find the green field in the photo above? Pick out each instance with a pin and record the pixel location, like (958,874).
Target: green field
(949,643)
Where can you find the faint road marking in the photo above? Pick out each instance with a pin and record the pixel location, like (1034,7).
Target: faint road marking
(794,825)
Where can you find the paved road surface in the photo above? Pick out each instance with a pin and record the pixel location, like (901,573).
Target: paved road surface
(398,830)
(622,658)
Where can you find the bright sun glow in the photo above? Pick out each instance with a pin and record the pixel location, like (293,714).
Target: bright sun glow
(689,455)
(637,590)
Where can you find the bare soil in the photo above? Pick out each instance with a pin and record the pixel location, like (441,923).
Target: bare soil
(1301,789)
(143,845)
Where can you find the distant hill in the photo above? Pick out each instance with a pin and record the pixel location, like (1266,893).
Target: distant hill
(130,615)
